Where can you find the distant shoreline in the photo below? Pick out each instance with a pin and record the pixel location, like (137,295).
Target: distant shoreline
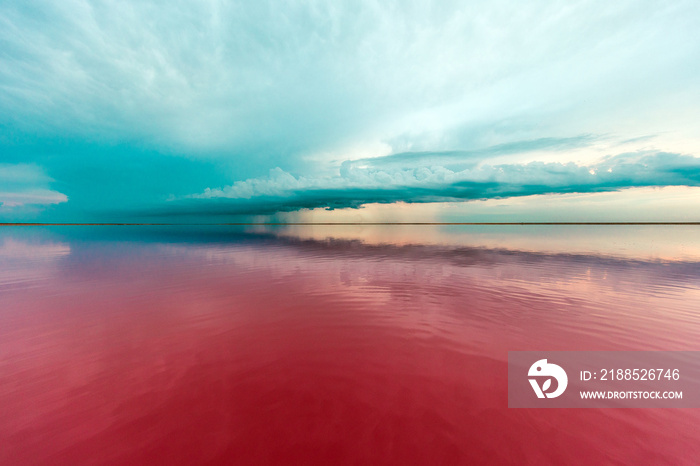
(13,224)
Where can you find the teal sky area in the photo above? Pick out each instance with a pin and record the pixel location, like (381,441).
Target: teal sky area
(217,111)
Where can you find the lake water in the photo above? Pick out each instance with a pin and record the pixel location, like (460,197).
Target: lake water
(331,345)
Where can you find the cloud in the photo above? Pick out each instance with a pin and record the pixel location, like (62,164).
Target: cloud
(127,101)
(281,81)
(469,158)
(358,185)
(26,185)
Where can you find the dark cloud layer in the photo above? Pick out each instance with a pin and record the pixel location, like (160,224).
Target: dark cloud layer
(285,194)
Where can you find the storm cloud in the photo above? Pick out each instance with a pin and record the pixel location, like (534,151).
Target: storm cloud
(132,106)
(357,186)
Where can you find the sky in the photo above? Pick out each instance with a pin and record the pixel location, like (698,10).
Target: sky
(216,111)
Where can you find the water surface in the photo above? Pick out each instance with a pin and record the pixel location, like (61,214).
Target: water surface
(331,345)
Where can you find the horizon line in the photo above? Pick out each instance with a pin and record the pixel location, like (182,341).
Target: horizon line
(6,224)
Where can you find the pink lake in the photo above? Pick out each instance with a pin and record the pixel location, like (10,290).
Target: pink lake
(333,345)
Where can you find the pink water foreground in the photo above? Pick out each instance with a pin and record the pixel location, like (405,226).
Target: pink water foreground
(260,349)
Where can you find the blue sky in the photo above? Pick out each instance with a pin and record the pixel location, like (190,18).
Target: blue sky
(457,111)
